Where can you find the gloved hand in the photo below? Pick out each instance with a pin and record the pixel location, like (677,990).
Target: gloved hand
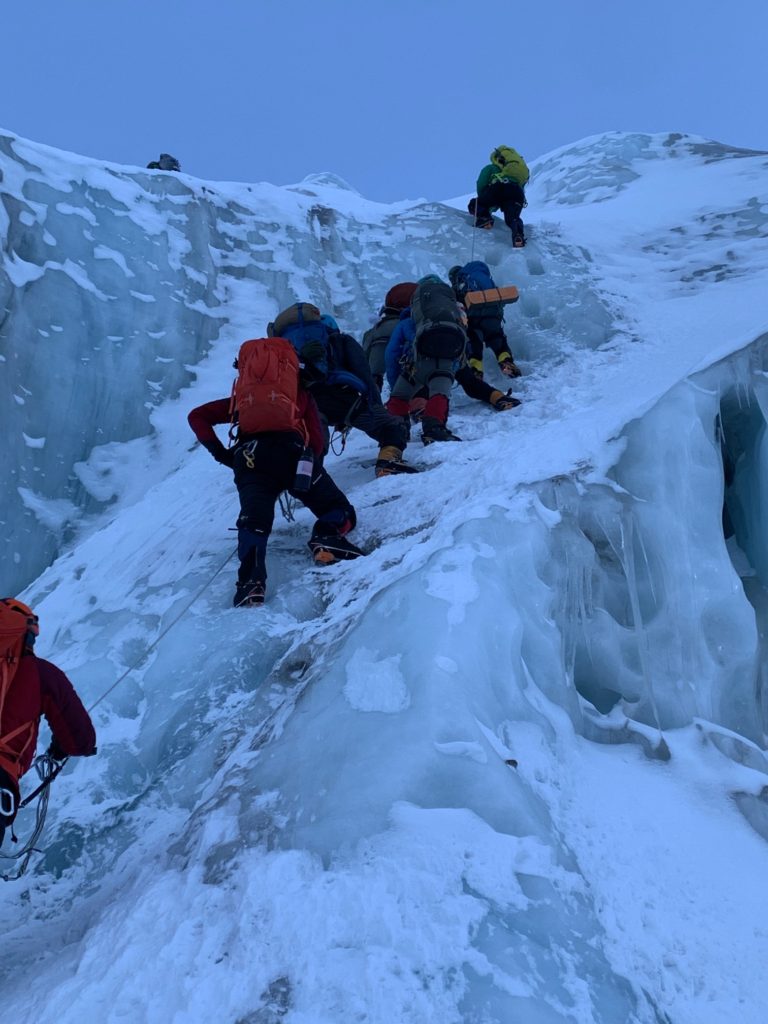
(55,751)
(313,352)
(225,456)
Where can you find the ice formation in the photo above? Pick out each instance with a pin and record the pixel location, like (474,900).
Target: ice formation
(511,765)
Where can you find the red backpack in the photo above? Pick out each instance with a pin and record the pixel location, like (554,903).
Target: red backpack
(266,391)
(18,628)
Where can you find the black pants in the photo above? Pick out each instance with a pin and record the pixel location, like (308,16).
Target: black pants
(486,330)
(340,405)
(472,387)
(265,467)
(506,196)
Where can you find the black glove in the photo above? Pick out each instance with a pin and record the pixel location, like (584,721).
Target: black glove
(313,352)
(225,456)
(55,751)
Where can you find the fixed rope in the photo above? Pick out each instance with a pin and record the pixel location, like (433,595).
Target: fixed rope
(164,633)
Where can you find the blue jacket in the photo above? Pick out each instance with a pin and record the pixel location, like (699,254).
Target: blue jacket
(400,346)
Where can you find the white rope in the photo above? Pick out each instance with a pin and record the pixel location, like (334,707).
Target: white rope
(164,633)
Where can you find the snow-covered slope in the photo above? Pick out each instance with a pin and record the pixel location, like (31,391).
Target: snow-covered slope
(309,813)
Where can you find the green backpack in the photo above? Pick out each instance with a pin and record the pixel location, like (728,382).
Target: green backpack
(511,166)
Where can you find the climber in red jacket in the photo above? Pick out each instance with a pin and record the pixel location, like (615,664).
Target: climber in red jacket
(29,688)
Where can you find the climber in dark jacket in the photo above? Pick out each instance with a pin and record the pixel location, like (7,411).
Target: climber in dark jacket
(375,340)
(37,689)
(165,163)
(484,323)
(346,394)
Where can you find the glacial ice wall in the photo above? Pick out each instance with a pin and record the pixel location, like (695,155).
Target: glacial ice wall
(109,288)
(656,622)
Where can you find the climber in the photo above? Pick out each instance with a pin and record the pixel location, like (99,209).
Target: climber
(375,340)
(484,326)
(501,186)
(426,353)
(165,163)
(278,446)
(336,373)
(31,687)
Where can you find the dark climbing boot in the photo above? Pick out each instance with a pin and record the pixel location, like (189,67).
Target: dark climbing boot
(248,595)
(390,461)
(330,549)
(508,366)
(500,401)
(433,430)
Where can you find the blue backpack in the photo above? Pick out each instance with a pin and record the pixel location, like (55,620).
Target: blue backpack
(477,276)
(302,325)
(311,334)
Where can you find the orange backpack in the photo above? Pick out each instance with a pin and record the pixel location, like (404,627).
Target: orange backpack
(18,628)
(266,391)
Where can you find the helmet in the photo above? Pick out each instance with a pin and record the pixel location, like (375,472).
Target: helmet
(430,279)
(399,295)
(330,323)
(33,630)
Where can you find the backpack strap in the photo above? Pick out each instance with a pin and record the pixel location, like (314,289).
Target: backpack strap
(10,758)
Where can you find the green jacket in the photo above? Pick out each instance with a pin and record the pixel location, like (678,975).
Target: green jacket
(484,178)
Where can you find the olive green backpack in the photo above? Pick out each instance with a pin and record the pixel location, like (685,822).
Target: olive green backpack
(511,166)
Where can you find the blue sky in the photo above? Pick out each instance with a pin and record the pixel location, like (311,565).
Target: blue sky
(403,99)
